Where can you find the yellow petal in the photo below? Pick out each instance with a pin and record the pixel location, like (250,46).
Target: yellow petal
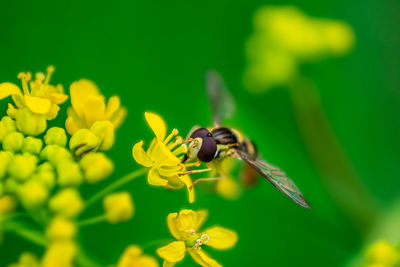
(188,182)
(119,117)
(58,98)
(71,125)
(221,238)
(37,105)
(187,220)
(203,259)
(201,218)
(140,156)
(80,91)
(52,113)
(157,124)
(145,261)
(7,89)
(113,105)
(11,111)
(94,110)
(173,252)
(162,156)
(18,100)
(173,225)
(153,178)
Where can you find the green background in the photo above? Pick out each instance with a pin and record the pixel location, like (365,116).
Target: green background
(154,55)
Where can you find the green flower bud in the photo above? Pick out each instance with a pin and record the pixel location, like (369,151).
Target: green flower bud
(118,207)
(7,125)
(32,145)
(61,229)
(33,194)
(56,136)
(11,186)
(48,178)
(96,167)
(29,123)
(13,141)
(190,243)
(22,166)
(67,203)
(55,154)
(28,259)
(104,130)
(69,174)
(82,141)
(5,158)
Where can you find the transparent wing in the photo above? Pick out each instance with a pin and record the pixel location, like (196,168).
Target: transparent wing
(222,103)
(277,177)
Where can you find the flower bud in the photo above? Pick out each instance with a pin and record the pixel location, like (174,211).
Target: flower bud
(27,259)
(83,141)
(13,141)
(46,175)
(96,167)
(32,145)
(30,123)
(382,252)
(11,186)
(7,125)
(33,194)
(67,203)
(60,229)
(55,154)
(118,207)
(104,130)
(56,136)
(59,253)
(22,166)
(7,204)
(69,173)
(5,158)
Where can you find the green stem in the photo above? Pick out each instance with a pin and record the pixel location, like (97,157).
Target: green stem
(111,187)
(335,170)
(21,230)
(93,220)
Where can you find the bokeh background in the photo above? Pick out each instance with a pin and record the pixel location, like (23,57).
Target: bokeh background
(154,55)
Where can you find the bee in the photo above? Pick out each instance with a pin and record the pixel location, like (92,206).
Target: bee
(213,145)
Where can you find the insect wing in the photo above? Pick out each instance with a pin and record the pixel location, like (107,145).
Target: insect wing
(222,103)
(277,177)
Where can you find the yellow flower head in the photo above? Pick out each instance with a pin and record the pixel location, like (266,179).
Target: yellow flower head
(384,253)
(37,95)
(89,106)
(59,253)
(164,157)
(185,228)
(118,207)
(133,257)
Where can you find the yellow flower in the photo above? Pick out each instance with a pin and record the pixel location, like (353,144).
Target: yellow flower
(27,259)
(228,187)
(96,167)
(59,254)
(118,207)
(37,95)
(67,203)
(133,257)
(384,253)
(88,107)
(60,229)
(185,228)
(7,204)
(163,157)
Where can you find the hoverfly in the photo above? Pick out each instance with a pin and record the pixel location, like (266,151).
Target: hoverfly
(213,145)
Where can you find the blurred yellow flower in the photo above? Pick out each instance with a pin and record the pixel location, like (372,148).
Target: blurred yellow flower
(133,257)
(37,95)
(118,207)
(27,259)
(88,107)
(67,203)
(228,187)
(96,167)
(185,228)
(283,38)
(163,157)
(60,229)
(7,204)
(59,254)
(382,253)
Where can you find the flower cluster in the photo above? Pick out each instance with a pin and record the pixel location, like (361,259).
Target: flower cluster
(42,168)
(284,38)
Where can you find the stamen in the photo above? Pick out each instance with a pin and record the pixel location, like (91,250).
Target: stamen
(25,77)
(204,238)
(182,149)
(194,164)
(172,134)
(177,142)
(50,70)
(192,231)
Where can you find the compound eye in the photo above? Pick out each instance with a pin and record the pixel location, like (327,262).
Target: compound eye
(201,132)
(208,149)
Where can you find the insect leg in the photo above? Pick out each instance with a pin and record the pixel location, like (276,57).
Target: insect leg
(195,171)
(206,179)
